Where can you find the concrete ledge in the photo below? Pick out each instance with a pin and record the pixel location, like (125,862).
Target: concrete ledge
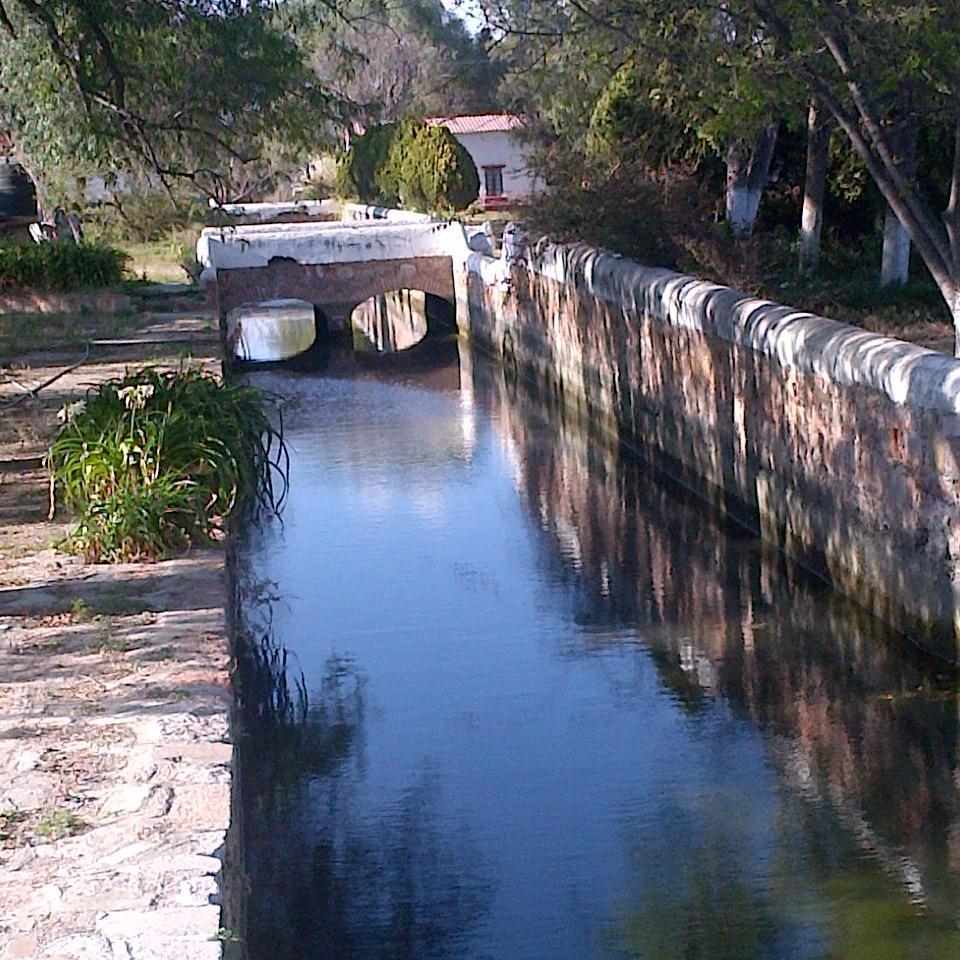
(272,212)
(28,301)
(905,373)
(364,211)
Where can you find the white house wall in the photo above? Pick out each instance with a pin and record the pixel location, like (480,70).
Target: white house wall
(501,149)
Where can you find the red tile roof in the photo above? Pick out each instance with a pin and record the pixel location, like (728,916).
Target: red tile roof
(484,123)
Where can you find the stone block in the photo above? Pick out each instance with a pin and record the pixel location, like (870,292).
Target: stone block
(79,946)
(201,806)
(21,948)
(172,923)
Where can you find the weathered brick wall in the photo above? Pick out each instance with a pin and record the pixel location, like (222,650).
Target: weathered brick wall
(334,287)
(841,446)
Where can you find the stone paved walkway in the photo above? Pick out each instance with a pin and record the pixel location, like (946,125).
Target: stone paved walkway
(115,756)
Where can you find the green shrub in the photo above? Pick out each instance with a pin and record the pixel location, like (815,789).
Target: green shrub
(156,461)
(359,168)
(424,168)
(430,170)
(624,211)
(60,266)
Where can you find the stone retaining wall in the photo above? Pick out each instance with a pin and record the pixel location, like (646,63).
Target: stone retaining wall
(841,446)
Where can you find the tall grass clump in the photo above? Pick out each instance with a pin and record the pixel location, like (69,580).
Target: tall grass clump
(60,266)
(158,460)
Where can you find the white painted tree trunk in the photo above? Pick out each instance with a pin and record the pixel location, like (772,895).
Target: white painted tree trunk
(743,205)
(819,131)
(955,312)
(748,169)
(895,263)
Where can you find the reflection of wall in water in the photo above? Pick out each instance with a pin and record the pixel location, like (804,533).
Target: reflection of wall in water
(855,719)
(391,321)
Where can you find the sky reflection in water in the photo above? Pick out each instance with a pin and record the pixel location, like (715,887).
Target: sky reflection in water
(555,712)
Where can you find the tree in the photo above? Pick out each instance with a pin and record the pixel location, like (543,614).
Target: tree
(857,56)
(179,89)
(819,131)
(689,66)
(360,170)
(394,60)
(423,167)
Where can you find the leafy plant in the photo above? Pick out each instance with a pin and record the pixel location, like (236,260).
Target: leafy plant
(156,461)
(58,824)
(429,169)
(423,167)
(60,266)
(359,169)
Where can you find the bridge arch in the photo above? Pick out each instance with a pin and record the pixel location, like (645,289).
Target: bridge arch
(399,319)
(336,289)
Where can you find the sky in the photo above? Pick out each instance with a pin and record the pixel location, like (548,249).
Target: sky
(468,11)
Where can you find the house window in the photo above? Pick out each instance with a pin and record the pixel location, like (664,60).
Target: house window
(493,181)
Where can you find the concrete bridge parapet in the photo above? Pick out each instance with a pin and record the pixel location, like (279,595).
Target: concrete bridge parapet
(335,266)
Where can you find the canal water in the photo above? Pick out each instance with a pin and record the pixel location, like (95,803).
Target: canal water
(511,695)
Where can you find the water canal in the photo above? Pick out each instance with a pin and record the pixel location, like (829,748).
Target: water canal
(541,705)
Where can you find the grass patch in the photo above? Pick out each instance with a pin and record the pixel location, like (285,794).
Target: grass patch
(157,461)
(162,261)
(60,266)
(59,824)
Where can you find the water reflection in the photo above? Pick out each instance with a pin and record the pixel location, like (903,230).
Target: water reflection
(858,725)
(328,881)
(551,708)
(390,321)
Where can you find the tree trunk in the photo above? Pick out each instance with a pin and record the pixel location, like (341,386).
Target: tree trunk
(748,168)
(955,313)
(820,126)
(895,262)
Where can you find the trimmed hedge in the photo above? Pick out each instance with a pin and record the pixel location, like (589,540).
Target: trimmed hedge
(422,167)
(60,266)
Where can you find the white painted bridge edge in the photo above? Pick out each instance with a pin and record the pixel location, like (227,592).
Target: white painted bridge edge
(255,245)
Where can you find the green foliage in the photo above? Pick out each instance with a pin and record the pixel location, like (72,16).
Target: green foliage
(429,170)
(422,167)
(60,266)
(57,824)
(634,118)
(359,170)
(627,212)
(183,90)
(156,461)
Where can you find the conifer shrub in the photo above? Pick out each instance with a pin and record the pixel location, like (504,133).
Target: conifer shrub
(359,168)
(60,266)
(430,170)
(156,461)
(422,167)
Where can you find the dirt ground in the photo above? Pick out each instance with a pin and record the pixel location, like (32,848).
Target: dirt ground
(114,696)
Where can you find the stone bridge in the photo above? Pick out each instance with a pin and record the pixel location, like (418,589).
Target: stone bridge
(337,266)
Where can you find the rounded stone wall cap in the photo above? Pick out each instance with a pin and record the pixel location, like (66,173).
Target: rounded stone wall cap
(907,374)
